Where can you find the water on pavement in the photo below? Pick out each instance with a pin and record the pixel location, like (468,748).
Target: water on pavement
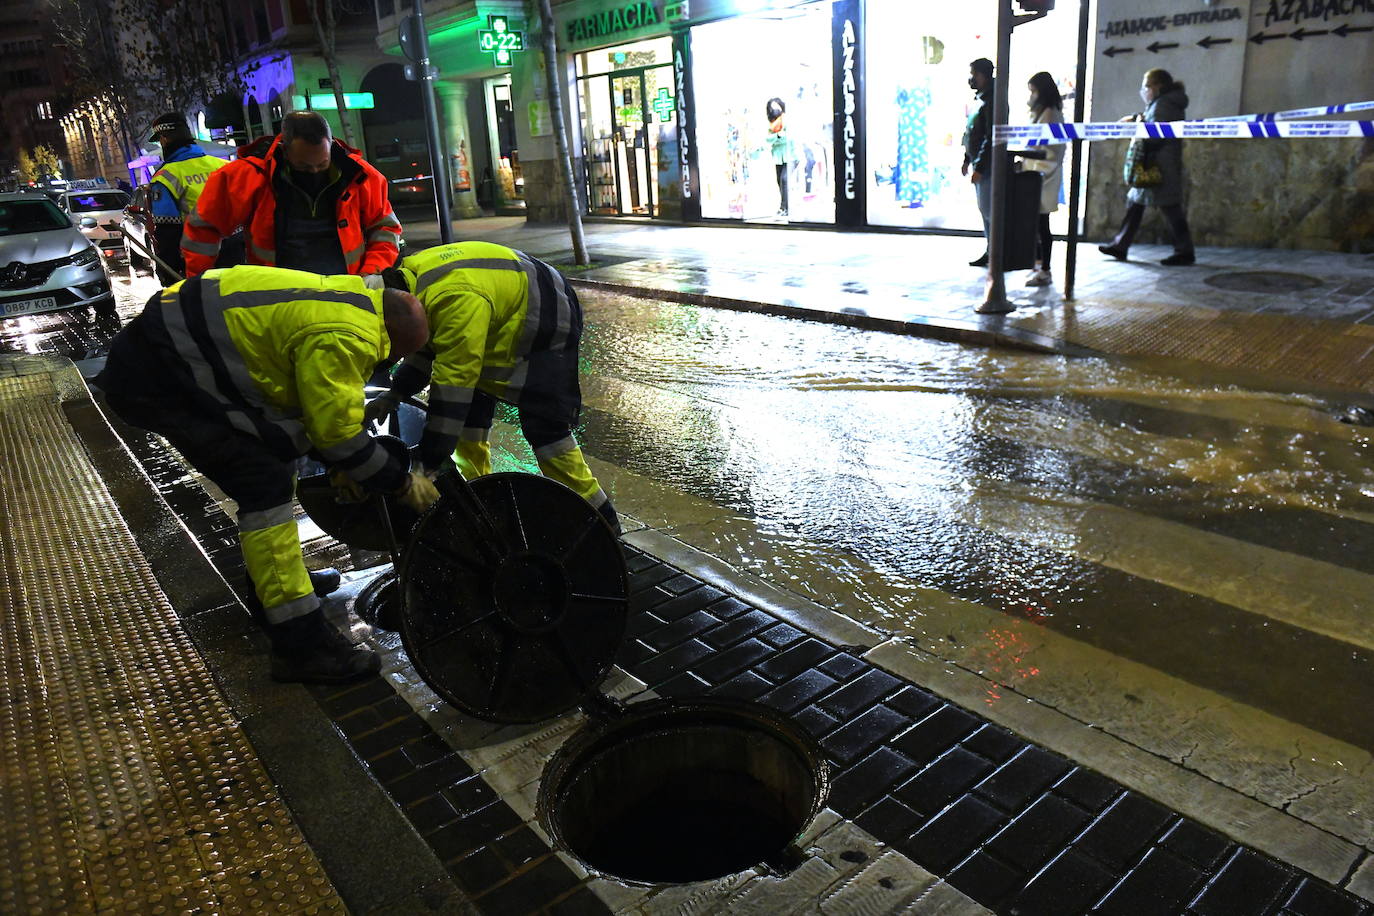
(1176,558)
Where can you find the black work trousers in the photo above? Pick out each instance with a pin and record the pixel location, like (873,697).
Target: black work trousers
(1178,226)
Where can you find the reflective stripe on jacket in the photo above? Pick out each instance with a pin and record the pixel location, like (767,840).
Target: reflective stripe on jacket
(241,194)
(185,179)
(284,354)
(490,309)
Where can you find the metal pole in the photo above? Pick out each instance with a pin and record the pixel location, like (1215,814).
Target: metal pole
(437,158)
(1080,93)
(996,300)
(560,132)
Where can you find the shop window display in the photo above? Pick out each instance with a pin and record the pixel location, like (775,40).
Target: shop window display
(918,102)
(765,126)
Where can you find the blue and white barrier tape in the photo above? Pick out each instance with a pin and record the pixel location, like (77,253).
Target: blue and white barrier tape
(1049,134)
(1302,113)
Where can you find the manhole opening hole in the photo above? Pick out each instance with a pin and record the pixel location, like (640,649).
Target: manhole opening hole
(670,793)
(1262,281)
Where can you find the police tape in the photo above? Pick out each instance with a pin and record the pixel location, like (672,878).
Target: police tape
(1301,113)
(1050,134)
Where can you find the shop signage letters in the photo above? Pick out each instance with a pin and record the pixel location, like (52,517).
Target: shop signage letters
(1144,25)
(612,22)
(683,135)
(1307,10)
(850,88)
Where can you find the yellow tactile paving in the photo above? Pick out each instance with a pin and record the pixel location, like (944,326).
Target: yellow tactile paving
(1327,354)
(127,784)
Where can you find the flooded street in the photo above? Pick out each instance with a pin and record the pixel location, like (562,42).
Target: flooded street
(1181,561)
(1169,557)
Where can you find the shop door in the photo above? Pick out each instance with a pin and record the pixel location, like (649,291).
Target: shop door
(630,138)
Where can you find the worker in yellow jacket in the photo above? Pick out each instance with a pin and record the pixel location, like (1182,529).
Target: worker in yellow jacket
(503,326)
(244,370)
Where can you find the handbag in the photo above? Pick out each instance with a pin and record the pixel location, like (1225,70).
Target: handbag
(1138,171)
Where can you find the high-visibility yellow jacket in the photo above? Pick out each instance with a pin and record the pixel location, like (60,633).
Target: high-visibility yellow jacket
(185,179)
(285,354)
(491,309)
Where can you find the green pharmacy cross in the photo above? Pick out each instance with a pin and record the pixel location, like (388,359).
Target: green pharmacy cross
(500,40)
(665,105)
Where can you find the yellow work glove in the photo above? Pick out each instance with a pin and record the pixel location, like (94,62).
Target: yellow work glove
(347,490)
(419,493)
(379,408)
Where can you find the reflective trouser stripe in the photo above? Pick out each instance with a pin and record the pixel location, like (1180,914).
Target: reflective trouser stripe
(570,469)
(473,458)
(273,557)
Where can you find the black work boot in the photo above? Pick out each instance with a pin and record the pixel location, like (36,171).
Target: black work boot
(611,516)
(325,581)
(309,649)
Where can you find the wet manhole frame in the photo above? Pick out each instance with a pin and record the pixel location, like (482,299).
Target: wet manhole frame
(674,792)
(1262,281)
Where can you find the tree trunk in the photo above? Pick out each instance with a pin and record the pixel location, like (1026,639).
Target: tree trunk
(325,33)
(560,133)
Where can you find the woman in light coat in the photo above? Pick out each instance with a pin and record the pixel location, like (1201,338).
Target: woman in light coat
(1047,107)
(1164,100)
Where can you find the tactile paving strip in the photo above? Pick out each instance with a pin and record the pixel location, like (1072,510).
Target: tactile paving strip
(128,784)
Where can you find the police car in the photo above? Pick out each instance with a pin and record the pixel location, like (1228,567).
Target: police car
(98,212)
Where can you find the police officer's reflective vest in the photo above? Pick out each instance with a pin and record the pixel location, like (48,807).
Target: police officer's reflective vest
(185,179)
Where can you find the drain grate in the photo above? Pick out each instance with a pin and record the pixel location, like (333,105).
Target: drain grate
(1263,281)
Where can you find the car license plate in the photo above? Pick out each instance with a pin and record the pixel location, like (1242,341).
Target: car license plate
(25,306)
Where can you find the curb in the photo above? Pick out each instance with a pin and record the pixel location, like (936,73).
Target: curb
(1005,336)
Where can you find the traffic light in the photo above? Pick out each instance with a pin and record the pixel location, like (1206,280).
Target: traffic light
(1035,6)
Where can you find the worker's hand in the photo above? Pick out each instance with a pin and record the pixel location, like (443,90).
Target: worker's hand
(374,281)
(346,489)
(419,492)
(963,169)
(379,408)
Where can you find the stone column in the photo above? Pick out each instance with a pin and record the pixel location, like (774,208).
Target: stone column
(453,97)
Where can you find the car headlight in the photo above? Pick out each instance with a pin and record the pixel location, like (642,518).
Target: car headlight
(85,256)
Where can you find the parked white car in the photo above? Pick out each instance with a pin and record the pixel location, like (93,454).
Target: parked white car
(46,263)
(98,213)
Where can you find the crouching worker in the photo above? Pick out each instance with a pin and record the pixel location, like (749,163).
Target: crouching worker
(506,326)
(245,369)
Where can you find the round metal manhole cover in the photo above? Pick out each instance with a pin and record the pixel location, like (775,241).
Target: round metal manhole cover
(1263,281)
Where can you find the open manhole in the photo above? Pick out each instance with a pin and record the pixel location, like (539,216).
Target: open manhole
(670,792)
(1262,281)
(512,600)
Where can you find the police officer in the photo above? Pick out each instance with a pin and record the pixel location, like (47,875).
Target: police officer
(244,370)
(175,188)
(506,326)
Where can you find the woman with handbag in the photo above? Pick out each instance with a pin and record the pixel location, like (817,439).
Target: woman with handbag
(1154,171)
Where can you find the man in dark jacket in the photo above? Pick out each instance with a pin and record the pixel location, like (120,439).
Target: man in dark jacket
(978,144)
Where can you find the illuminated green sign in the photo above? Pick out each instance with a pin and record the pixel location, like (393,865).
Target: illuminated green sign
(501,40)
(326,101)
(665,105)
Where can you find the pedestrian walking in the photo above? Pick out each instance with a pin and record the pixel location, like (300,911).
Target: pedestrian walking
(174,190)
(503,326)
(978,144)
(243,370)
(1154,172)
(305,200)
(1046,107)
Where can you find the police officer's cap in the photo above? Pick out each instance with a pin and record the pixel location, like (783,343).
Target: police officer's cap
(173,122)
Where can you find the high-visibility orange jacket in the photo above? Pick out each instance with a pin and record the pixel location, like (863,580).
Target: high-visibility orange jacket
(247,192)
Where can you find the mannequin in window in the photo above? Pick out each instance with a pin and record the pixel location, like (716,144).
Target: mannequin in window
(777,141)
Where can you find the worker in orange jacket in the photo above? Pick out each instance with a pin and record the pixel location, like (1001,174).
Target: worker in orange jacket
(306,201)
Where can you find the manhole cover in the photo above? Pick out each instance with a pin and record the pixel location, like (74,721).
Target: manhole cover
(1263,281)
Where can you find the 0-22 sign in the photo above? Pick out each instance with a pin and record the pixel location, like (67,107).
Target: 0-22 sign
(500,40)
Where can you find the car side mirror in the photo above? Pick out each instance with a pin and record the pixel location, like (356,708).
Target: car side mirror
(88,222)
